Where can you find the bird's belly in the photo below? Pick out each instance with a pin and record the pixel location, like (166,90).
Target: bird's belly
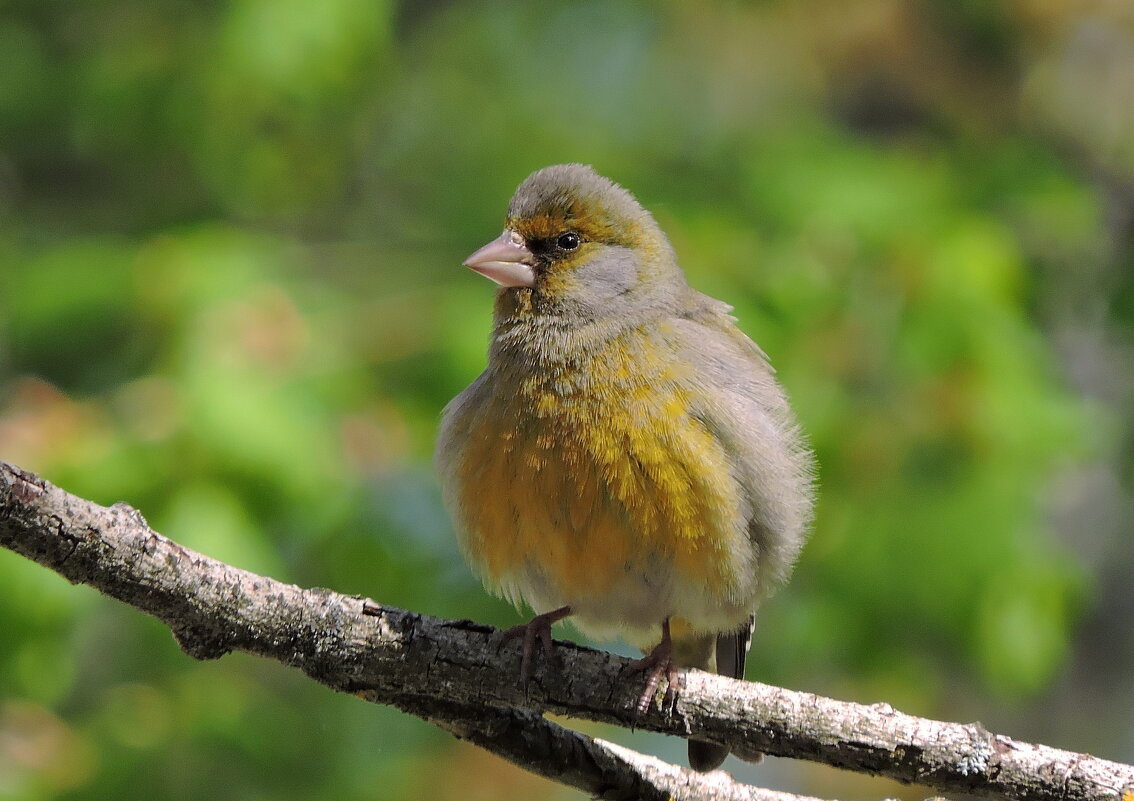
(626,512)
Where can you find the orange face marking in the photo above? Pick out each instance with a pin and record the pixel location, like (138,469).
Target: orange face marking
(577,217)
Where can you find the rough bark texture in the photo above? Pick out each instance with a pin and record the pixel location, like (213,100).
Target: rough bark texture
(451,673)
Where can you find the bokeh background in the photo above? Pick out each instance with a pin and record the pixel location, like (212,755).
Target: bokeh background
(231,295)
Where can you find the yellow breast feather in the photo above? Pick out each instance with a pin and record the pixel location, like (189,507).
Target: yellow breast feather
(589,485)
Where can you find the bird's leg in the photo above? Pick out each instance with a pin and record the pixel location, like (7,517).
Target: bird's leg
(658,663)
(538,628)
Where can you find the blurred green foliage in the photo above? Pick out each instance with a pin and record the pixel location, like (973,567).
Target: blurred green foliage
(230,294)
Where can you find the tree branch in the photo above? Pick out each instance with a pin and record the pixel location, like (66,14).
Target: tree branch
(450,673)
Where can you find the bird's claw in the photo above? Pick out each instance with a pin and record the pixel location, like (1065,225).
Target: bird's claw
(657,664)
(536,629)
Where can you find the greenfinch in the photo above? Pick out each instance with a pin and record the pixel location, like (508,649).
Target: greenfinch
(627,457)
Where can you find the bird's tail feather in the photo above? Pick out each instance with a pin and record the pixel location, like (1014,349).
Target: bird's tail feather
(731,651)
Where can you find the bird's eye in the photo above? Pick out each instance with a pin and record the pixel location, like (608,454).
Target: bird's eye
(568,241)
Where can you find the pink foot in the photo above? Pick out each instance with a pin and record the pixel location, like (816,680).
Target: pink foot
(658,664)
(538,628)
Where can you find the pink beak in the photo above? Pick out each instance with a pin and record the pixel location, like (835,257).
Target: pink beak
(506,260)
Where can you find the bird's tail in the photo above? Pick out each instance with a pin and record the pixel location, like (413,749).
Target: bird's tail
(730,652)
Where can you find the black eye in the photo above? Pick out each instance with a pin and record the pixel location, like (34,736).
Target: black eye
(568,241)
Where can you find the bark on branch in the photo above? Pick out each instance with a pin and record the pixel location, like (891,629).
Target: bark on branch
(450,673)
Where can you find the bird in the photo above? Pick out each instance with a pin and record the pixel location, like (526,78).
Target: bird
(627,458)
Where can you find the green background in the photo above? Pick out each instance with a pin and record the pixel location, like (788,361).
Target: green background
(231,295)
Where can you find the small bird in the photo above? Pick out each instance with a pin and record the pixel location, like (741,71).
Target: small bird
(627,458)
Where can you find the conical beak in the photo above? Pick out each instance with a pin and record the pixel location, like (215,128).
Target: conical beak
(506,260)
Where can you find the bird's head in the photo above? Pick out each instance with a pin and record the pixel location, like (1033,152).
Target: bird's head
(574,240)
